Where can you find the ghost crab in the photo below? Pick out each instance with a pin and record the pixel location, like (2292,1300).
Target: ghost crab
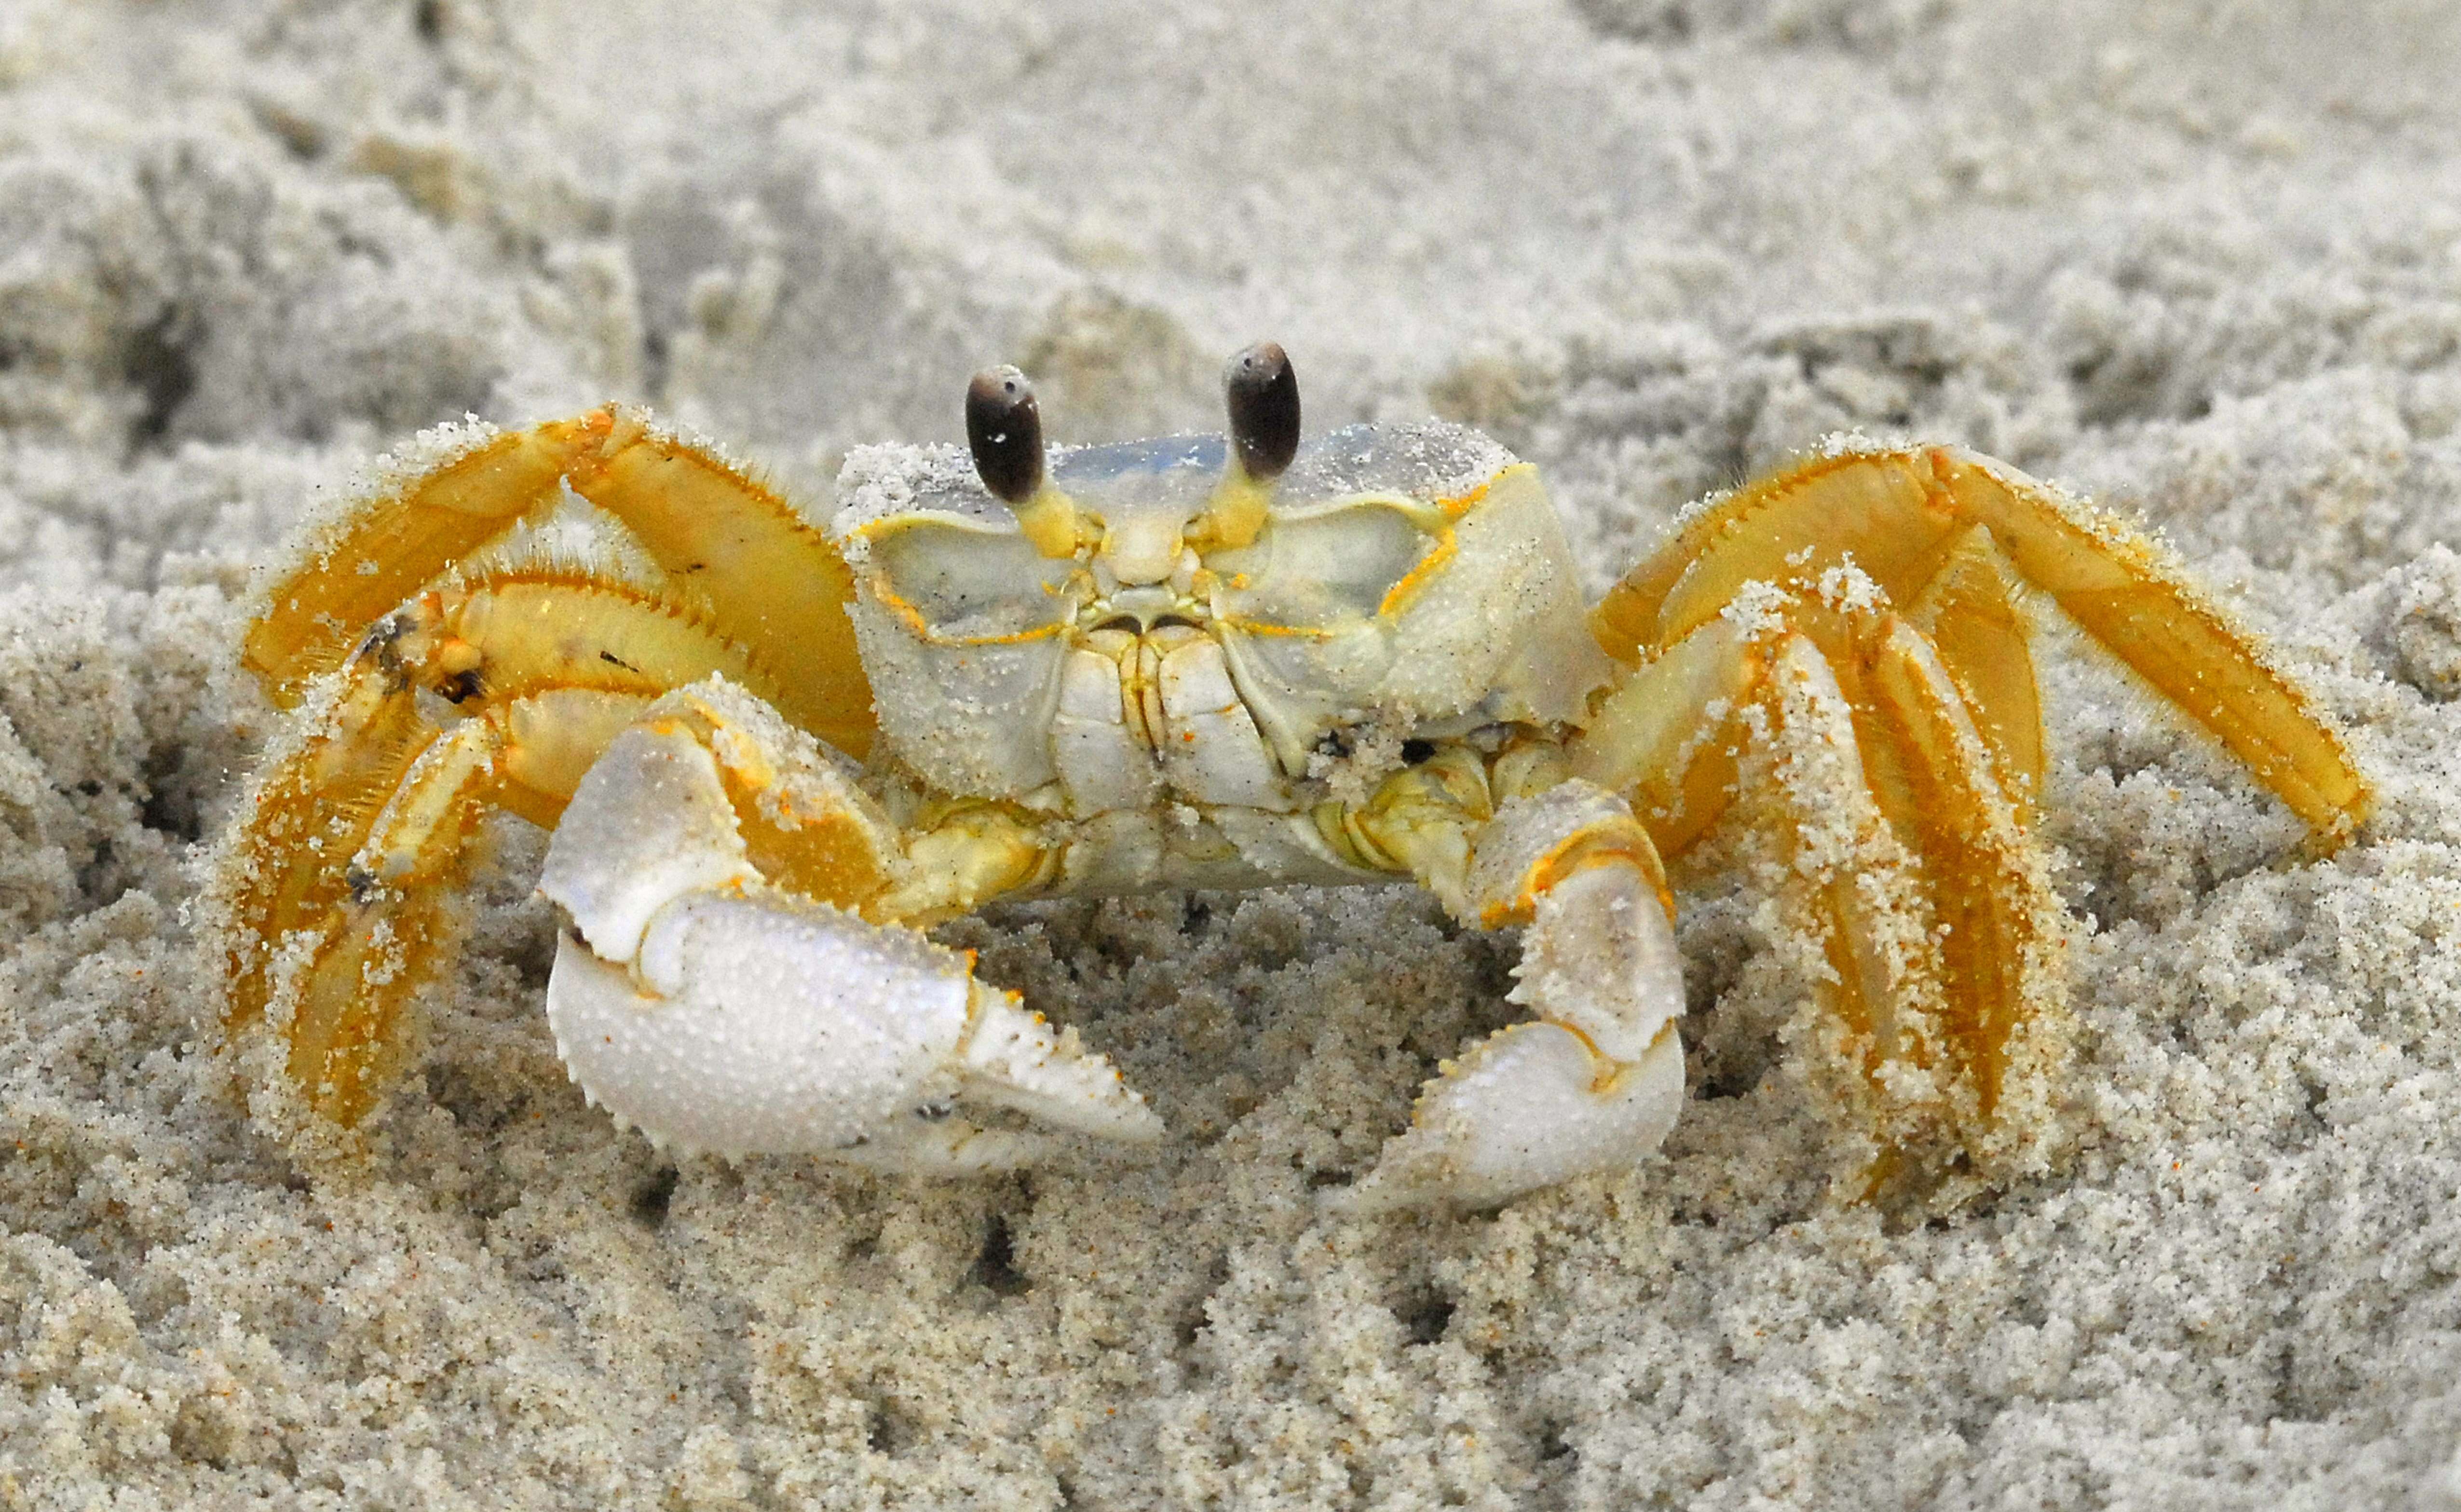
(773,751)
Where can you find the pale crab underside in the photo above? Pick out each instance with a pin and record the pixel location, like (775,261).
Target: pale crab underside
(776,751)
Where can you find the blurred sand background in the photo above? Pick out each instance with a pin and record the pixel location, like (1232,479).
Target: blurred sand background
(2203,260)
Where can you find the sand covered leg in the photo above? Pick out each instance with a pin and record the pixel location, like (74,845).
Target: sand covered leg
(330,901)
(1906,517)
(349,975)
(1969,615)
(733,552)
(735,977)
(2000,926)
(1669,735)
(1906,855)
(1995,1025)
(1595,1082)
(2134,597)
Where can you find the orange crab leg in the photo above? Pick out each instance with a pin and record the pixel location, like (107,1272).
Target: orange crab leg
(503,637)
(1668,736)
(1969,613)
(546,668)
(757,570)
(1938,927)
(1900,517)
(1856,881)
(1881,508)
(1998,921)
(376,948)
(310,811)
(2134,597)
(373,553)
(1853,880)
(1998,916)
(734,551)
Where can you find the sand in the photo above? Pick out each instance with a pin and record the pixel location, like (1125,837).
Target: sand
(2200,260)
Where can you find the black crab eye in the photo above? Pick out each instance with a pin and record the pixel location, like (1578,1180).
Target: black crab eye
(1004,429)
(1263,397)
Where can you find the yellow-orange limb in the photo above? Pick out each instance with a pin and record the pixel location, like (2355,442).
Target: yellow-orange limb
(1668,735)
(339,990)
(2001,922)
(528,754)
(1882,509)
(2133,596)
(284,869)
(1900,515)
(381,550)
(1856,881)
(350,981)
(736,552)
(1998,921)
(1970,615)
(1673,727)
(334,881)
(764,576)
(522,629)
(475,644)
(1907,855)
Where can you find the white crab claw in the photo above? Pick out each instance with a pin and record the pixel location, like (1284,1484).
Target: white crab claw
(1597,1082)
(1011,1058)
(716,1012)
(746,1024)
(1523,1109)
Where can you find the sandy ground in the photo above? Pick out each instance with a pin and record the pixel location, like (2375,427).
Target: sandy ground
(2203,260)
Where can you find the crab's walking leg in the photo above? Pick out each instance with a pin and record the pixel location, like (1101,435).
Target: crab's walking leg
(715,1010)
(1969,614)
(329,898)
(1999,922)
(1597,1080)
(2133,596)
(1755,680)
(1906,518)
(1905,850)
(734,553)
(373,947)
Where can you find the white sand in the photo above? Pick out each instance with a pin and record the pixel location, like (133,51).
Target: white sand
(2207,264)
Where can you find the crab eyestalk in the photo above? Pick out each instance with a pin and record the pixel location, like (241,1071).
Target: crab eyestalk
(1004,430)
(1262,395)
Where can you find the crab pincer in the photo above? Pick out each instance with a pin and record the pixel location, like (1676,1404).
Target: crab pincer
(699,1000)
